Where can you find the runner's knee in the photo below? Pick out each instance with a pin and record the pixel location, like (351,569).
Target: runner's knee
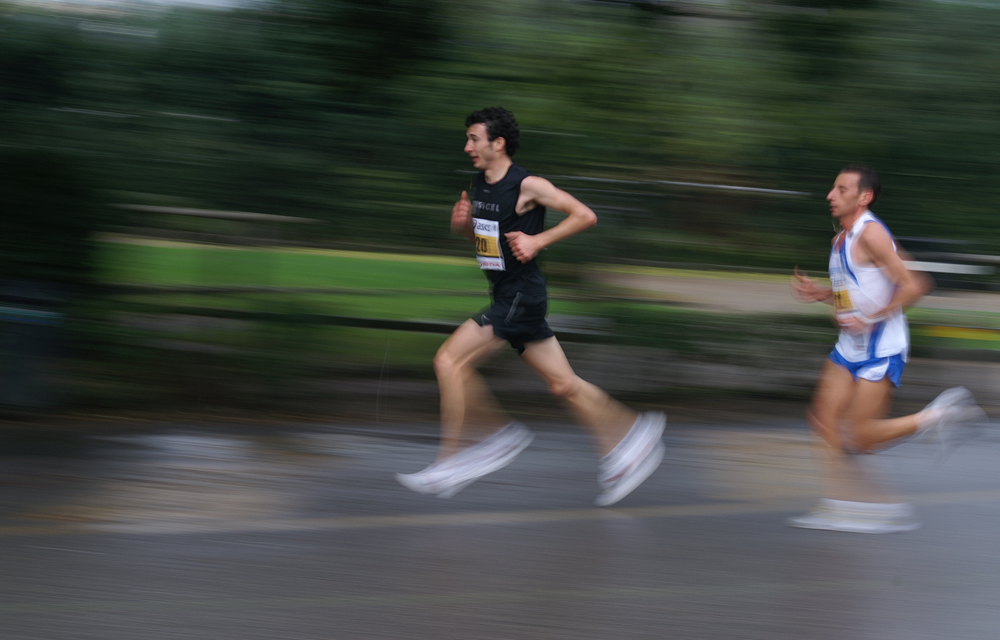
(825,429)
(815,423)
(862,441)
(444,363)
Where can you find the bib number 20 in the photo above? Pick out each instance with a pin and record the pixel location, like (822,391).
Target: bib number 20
(488,244)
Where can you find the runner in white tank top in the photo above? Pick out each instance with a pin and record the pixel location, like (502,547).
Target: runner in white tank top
(870,288)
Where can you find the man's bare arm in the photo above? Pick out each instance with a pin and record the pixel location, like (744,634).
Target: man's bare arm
(805,289)
(461,218)
(541,192)
(878,247)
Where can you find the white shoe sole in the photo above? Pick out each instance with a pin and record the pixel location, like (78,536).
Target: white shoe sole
(629,483)
(449,484)
(413,484)
(850,526)
(478,472)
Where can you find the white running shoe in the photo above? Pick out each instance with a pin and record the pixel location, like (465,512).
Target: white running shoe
(954,408)
(447,477)
(633,460)
(485,457)
(857,517)
(425,481)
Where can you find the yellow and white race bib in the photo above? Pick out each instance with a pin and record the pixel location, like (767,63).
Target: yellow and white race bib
(841,298)
(488,252)
(842,302)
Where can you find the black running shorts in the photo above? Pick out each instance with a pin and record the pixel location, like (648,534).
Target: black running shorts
(518,319)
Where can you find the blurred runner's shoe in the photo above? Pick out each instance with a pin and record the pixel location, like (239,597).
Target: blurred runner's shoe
(633,460)
(954,408)
(447,477)
(857,517)
(485,457)
(425,481)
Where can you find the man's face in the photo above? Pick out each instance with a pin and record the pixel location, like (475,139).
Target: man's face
(845,198)
(479,147)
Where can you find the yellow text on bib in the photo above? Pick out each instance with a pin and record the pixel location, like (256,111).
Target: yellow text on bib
(488,244)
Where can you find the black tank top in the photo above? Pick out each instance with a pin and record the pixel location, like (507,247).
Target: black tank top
(497,203)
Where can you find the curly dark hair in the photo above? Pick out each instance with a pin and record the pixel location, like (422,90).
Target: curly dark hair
(868,180)
(499,123)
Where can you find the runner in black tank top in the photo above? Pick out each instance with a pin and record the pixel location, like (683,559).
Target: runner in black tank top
(520,302)
(498,202)
(506,223)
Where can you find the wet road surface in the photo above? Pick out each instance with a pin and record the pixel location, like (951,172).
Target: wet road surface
(184,532)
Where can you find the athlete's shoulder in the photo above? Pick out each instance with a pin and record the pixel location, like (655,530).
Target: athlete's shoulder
(876,240)
(517,173)
(537,185)
(878,223)
(874,230)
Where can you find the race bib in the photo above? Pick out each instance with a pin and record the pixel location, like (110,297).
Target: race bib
(488,252)
(841,297)
(842,301)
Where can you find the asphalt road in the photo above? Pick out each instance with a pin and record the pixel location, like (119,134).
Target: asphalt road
(198,532)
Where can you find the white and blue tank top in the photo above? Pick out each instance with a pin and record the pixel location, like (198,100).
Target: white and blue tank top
(864,291)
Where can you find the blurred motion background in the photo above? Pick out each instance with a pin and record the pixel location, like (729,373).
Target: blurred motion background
(243,206)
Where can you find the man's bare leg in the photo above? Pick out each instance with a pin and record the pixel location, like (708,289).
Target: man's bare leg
(849,416)
(861,407)
(831,401)
(607,419)
(870,429)
(630,445)
(833,395)
(467,402)
(465,398)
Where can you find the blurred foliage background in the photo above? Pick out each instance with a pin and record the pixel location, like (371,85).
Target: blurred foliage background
(350,113)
